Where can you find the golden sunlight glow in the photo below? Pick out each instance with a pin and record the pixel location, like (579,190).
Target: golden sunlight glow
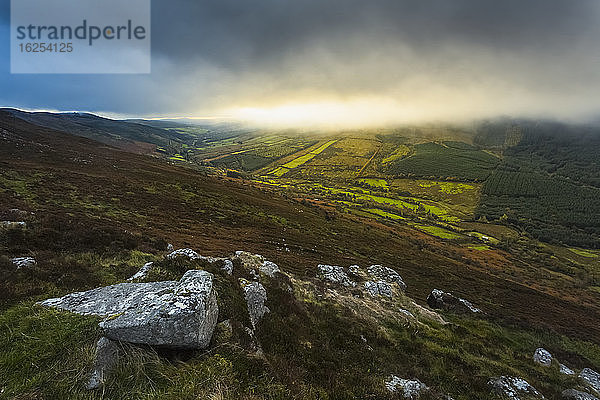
(328,114)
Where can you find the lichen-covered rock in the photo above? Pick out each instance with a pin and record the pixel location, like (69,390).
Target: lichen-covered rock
(408,389)
(224,264)
(379,288)
(173,314)
(565,370)
(257,262)
(572,394)
(543,357)
(23,262)
(107,356)
(335,274)
(189,253)
(269,268)
(446,301)
(514,388)
(386,274)
(142,273)
(256,297)
(591,378)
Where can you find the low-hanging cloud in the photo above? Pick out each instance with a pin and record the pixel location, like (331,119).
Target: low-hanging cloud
(381,61)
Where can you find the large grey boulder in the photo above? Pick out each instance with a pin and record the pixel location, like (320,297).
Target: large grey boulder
(107,356)
(513,388)
(23,262)
(439,299)
(543,357)
(386,274)
(591,378)
(256,297)
(335,274)
(179,314)
(572,394)
(407,388)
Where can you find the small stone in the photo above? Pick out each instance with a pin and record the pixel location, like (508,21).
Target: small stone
(189,253)
(543,357)
(107,356)
(227,267)
(408,389)
(439,299)
(142,273)
(565,370)
(24,262)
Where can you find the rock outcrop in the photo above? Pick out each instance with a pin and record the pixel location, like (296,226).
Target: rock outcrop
(439,299)
(335,274)
(386,274)
(107,356)
(543,357)
(189,253)
(256,297)
(407,388)
(379,288)
(572,394)
(257,262)
(23,262)
(513,388)
(179,314)
(591,378)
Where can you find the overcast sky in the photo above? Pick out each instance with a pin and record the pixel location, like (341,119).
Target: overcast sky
(383,60)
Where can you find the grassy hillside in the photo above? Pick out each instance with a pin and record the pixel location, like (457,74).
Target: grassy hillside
(100,213)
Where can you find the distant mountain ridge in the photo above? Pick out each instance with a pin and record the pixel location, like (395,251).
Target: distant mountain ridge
(131,136)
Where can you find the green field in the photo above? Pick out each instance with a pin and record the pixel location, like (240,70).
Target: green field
(307,157)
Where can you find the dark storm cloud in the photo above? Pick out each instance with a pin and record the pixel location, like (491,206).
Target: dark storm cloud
(467,58)
(266,28)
